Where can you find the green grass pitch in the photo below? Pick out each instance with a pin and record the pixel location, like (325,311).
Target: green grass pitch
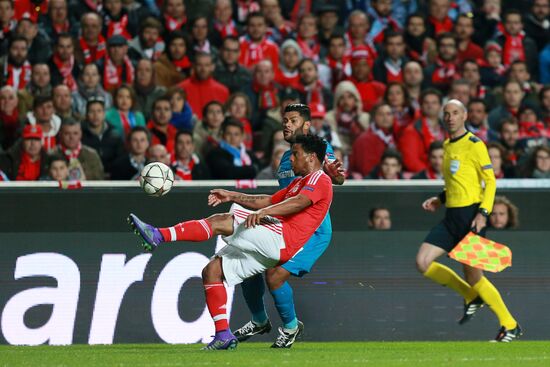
(378,354)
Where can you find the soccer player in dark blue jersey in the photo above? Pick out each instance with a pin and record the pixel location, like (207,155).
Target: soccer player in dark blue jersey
(296,121)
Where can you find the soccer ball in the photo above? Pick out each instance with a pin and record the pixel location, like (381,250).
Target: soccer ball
(156,179)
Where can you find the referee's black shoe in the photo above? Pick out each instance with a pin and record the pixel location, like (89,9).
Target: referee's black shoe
(250,329)
(470,309)
(506,336)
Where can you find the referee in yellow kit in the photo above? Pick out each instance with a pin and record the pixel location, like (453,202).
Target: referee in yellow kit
(470,188)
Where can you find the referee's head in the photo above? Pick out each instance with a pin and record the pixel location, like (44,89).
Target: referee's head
(454,117)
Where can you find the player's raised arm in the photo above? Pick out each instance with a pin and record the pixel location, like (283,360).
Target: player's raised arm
(287,207)
(335,171)
(220,196)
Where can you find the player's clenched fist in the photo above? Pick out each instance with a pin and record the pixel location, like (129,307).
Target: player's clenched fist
(219,196)
(431,204)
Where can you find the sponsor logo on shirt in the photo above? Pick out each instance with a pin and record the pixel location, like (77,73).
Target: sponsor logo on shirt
(308,188)
(285,174)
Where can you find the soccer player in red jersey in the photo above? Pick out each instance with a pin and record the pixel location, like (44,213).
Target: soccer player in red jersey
(269,233)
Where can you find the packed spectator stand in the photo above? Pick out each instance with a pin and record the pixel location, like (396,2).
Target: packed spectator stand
(96,89)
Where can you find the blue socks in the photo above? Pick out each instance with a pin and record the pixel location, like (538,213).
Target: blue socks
(253,292)
(284,302)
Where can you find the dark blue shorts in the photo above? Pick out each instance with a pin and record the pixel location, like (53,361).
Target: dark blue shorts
(456,224)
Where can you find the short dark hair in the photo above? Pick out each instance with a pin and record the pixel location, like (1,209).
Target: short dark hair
(150,22)
(207,106)
(137,129)
(392,153)
(431,91)
(164,98)
(230,38)
(337,35)
(18,38)
(373,211)
(255,14)
(301,108)
(63,35)
(40,100)
(478,100)
(435,145)
(440,37)
(183,132)
(509,121)
(390,33)
(313,144)
(511,12)
(57,157)
(231,121)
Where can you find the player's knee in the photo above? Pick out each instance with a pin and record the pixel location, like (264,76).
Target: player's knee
(276,277)
(221,223)
(212,272)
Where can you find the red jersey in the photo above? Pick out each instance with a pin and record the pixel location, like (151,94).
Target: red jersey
(252,53)
(299,227)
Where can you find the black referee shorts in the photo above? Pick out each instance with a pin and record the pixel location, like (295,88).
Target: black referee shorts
(456,224)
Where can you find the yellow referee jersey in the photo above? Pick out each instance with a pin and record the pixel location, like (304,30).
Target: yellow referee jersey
(466,165)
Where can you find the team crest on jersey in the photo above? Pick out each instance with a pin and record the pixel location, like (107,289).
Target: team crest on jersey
(455,165)
(294,189)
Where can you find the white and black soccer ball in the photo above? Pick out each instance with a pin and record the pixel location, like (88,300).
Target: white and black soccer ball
(156,179)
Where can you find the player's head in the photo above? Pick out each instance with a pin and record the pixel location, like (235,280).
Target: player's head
(296,121)
(308,154)
(454,116)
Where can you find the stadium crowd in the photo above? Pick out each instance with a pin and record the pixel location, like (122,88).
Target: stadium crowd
(95,89)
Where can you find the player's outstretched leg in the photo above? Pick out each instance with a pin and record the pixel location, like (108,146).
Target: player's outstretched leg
(216,300)
(253,292)
(150,235)
(283,296)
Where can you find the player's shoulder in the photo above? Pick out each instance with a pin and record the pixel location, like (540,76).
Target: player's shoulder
(317,177)
(473,139)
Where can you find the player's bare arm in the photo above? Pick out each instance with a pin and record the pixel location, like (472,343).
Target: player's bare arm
(335,171)
(284,208)
(220,196)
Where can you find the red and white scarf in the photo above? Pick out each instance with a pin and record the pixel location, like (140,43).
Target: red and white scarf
(92,54)
(184,171)
(300,8)
(66,71)
(115,28)
(24,75)
(112,74)
(245,7)
(61,28)
(513,48)
(70,154)
(314,93)
(267,95)
(310,49)
(440,26)
(182,65)
(229,29)
(386,137)
(172,23)
(394,73)
(252,53)
(428,135)
(445,72)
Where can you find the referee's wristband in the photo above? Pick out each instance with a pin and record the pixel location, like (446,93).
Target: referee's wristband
(442,197)
(483,212)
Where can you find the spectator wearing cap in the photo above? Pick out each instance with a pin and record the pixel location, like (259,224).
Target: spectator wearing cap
(25,160)
(89,86)
(228,70)
(347,118)
(464,29)
(146,88)
(123,116)
(187,165)
(43,115)
(288,75)
(255,46)
(311,88)
(230,160)
(444,70)
(129,165)
(39,46)
(389,68)
(12,117)
(162,132)
(116,68)
(435,163)
(415,139)
(100,136)
(92,46)
(16,68)
(320,127)
(63,66)
(369,147)
(515,44)
(223,23)
(174,65)
(148,44)
(370,90)
(201,87)
(84,162)
(493,72)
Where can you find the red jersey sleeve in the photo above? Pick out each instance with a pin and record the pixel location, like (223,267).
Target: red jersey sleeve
(317,186)
(279,196)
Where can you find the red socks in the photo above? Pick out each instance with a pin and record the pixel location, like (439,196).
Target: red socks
(216,300)
(193,230)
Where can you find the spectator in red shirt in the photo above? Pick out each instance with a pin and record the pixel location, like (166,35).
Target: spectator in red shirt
(287,75)
(255,46)
(371,91)
(416,138)
(201,87)
(357,35)
(25,161)
(162,132)
(368,148)
(438,18)
(307,37)
(11,117)
(464,29)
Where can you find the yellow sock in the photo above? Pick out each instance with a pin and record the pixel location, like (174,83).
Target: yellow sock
(491,296)
(444,275)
